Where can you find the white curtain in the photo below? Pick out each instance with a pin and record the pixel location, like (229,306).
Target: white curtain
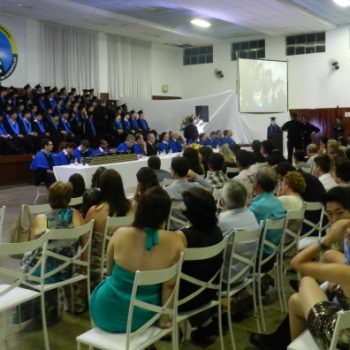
(69,57)
(129,68)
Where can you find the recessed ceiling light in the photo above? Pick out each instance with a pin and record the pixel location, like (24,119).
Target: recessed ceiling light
(342,3)
(200,23)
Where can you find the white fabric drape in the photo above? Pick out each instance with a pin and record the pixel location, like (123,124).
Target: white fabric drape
(129,68)
(69,57)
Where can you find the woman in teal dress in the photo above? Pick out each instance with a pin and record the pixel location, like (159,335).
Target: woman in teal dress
(142,246)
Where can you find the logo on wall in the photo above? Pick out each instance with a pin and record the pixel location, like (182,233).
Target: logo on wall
(8,53)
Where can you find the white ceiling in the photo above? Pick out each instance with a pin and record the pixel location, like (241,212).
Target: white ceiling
(168,21)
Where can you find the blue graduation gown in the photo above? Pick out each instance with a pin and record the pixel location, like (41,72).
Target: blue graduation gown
(163,147)
(175,146)
(40,161)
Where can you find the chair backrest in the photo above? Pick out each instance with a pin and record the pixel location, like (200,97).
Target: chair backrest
(37,208)
(312,228)
(80,259)
(269,225)
(176,218)
(76,201)
(154,277)
(11,271)
(343,322)
(215,282)
(112,224)
(294,225)
(232,170)
(241,255)
(2,218)
(166,182)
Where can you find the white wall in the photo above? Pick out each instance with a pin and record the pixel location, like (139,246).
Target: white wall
(312,84)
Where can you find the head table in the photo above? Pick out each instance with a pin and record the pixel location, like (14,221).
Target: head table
(127,170)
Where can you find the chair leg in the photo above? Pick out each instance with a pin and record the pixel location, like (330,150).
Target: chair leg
(44,324)
(5,333)
(229,322)
(260,305)
(221,334)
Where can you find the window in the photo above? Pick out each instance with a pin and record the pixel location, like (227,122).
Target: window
(198,55)
(248,49)
(305,43)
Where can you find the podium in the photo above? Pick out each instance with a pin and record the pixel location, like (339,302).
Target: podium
(276,139)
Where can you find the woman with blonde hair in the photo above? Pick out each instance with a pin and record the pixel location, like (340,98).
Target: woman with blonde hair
(228,155)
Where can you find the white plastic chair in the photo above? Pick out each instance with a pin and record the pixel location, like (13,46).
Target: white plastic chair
(290,240)
(215,283)
(231,170)
(82,233)
(306,341)
(37,208)
(276,224)
(149,332)
(13,294)
(315,230)
(241,259)
(112,224)
(75,201)
(176,218)
(2,218)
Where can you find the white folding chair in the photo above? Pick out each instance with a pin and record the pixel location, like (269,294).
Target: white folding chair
(231,170)
(176,219)
(41,191)
(2,218)
(239,264)
(149,332)
(13,294)
(75,201)
(112,224)
(268,226)
(289,241)
(80,260)
(314,230)
(37,208)
(306,341)
(214,283)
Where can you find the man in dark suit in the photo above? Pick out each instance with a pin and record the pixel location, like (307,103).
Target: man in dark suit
(294,129)
(151,144)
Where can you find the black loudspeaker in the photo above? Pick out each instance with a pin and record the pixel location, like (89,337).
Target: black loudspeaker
(203,113)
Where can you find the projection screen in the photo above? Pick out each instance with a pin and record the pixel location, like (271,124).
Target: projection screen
(263,86)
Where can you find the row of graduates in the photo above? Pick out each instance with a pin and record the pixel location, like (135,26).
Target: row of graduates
(63,117)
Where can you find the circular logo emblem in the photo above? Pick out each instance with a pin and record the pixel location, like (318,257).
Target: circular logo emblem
(8,53)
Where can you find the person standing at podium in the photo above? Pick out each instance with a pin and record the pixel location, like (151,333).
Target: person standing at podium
(272,128)
(274,134)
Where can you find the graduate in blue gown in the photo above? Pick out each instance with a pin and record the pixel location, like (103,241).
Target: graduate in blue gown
(128,145)
(65,157)
(83,150)
(42,164)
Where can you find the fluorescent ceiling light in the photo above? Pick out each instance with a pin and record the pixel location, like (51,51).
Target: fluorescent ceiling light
(200,23)
(342,3)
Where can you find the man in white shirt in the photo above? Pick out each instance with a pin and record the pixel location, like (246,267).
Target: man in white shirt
(322,169)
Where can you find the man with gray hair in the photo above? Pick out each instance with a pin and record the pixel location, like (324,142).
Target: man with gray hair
(312,153)
(235,214)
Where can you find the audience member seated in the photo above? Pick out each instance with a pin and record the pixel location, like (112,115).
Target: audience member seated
(216,177)
(291,189)
(323,165)
(192,155)
(299,161)
(228,155)
(342,173)
(181,174)
(82,151)
(140,146)
(266,206)
(146,178)
(200,211)
(154,163)
(274,158)
(128,145)
(42,165)
(113,202)
(92,196)
(236,215)
(60,216)
(78,184)
(256,147)
(204,154)
(65,157)
(311,152)
(266,148)
(102,149)
(144,246)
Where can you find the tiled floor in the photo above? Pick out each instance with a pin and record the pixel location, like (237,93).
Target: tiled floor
(62,335)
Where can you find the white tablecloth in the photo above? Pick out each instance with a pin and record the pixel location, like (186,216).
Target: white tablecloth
(127,170)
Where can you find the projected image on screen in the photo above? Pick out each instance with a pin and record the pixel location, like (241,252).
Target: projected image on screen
(262,86)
